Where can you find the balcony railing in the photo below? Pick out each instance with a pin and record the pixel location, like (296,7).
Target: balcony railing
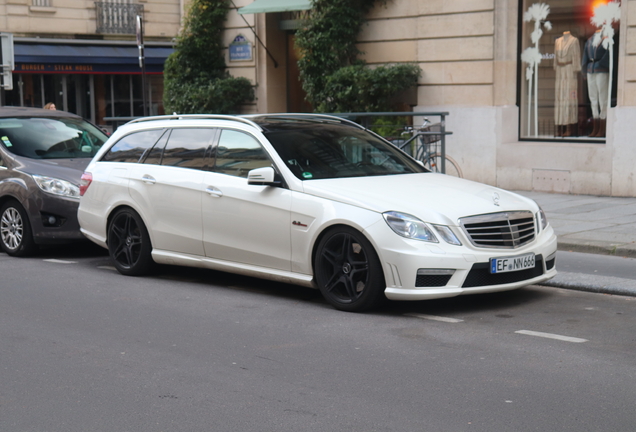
(117,18)
(42,3)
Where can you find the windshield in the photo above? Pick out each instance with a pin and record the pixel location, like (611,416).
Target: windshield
(323,151)
(50,138)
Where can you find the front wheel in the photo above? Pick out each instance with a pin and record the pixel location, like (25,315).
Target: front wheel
(348,271)
(129,243)
(16,237)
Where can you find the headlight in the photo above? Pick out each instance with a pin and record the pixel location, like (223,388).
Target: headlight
(56,186)
(411,227)
(542,220)
(447,234)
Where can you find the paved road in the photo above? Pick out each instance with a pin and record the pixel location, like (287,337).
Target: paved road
(85,349)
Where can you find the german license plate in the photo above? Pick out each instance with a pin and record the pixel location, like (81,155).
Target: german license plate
(510,264)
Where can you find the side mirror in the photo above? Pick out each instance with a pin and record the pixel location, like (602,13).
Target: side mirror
(262,177)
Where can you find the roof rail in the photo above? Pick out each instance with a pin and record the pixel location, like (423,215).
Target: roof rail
(195,117)
(293,116)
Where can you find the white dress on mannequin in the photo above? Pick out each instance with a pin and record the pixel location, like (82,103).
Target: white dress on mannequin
(567,63)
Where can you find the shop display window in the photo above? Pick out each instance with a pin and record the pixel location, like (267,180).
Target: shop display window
(568,68)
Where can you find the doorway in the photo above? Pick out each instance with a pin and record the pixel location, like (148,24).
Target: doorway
(296,96)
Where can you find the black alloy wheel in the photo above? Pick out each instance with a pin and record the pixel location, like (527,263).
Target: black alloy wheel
(16,238)
(129,243)
(348,271)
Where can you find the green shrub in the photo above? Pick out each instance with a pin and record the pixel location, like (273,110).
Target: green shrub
(195,76)
(389,127)
(201,96)
(332,76)
(362,89)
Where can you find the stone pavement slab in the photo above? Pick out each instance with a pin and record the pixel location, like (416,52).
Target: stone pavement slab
(583,223)
(589,224)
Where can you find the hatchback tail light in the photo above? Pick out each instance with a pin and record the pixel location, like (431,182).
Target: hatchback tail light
(85,182)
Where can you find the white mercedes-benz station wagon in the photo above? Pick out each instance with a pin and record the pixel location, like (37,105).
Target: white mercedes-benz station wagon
(306,199)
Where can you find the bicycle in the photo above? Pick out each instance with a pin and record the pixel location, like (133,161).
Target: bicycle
(425,145)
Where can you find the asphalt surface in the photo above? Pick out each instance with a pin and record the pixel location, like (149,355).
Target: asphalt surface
(605,226)
(85,349)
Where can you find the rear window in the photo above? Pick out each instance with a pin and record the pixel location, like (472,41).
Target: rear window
(50,138)
(132,147)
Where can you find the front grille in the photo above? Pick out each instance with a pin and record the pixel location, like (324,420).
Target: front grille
(505,230)
(480,275)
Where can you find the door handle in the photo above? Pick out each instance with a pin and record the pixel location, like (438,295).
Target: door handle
(148,179)
(214,191)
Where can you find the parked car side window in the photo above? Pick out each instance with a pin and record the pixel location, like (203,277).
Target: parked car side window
(237,153)
(186,148)
(131,147)
(153,155)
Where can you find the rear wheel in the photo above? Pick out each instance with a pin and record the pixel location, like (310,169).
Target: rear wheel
(348,271)
(16,238)
(129,243)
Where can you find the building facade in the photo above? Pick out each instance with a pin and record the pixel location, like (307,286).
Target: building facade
(513,74)
(508,130)
(83,55)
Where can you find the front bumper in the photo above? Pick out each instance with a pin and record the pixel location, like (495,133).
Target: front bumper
(53,219)
(416,270)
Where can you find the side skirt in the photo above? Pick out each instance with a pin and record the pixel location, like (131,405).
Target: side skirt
(173,258)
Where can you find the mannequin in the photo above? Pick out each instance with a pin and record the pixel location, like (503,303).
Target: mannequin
(567,64)
(595,65)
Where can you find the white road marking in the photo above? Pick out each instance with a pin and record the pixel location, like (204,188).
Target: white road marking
(60,261)
(552,336)
(434,318)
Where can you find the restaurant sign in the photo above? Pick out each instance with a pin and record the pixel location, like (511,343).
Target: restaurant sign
(53,68)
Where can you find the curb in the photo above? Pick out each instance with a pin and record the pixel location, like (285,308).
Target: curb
(601,248)
(594,284)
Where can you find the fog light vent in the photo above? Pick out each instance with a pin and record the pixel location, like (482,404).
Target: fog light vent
(50,220)
(433,277)
(550,261)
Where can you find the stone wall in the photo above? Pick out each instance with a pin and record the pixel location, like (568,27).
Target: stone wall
(66,18)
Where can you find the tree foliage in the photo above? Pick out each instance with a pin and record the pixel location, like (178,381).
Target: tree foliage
(333,77)
(195,76)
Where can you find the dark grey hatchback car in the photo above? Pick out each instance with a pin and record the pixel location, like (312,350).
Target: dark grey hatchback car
(43,154)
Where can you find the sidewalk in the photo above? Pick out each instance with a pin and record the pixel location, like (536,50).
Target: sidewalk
(590,224)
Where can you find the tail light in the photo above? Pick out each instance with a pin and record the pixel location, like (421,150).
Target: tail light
(85,182)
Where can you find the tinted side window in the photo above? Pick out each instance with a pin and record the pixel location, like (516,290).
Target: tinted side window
(186,148)
(131,147)
(237,153)
(153,155)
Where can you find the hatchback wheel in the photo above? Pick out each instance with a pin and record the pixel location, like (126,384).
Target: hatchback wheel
(15,230)
(129,243)
(348,271)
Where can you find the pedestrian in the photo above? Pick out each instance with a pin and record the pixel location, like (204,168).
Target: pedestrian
(50,106)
